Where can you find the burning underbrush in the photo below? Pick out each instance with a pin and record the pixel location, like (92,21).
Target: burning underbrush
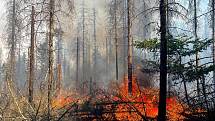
(62,99)
(112,104)
(116,104)
(143,104)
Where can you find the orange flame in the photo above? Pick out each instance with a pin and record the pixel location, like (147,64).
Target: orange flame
(62,100)
(149,105)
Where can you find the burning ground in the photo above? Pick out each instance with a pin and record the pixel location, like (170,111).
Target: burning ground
(117,104)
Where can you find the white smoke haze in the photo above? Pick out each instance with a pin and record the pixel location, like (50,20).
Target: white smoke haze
(72,28)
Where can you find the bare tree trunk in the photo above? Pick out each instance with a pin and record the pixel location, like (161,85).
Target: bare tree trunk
(83,42)
(77,65)
(50,53)
(196,37)
(163,62)
(13,46)
(107,62)
(95,45)
(124,40)
(129,49)
(89,72)
(116,39)
(31,74)
(195,29)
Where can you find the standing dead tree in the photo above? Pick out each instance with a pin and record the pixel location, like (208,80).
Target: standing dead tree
(95,63)
(50,53)
(130,44)
(83,42)
(13,43)
(116,39)
(77,64)
(32,56)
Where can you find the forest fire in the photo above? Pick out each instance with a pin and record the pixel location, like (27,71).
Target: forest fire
(64,60)
(144,103)
(62,100)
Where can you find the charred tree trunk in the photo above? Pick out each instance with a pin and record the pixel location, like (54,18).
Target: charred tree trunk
(130,73)
(50,54)
(163,62)
(31,74)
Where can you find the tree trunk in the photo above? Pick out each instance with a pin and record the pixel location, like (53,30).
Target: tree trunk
(124,40)
(50,54)
(163,63)
(77,65)
(83,42)
(116,39)
(106,64)
(196,37)
(31,74)
(95,46)
(13,46)
(129,49)
(89,72)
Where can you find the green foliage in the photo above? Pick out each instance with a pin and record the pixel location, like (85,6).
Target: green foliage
(184,46)
(150,44)
(179,49)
